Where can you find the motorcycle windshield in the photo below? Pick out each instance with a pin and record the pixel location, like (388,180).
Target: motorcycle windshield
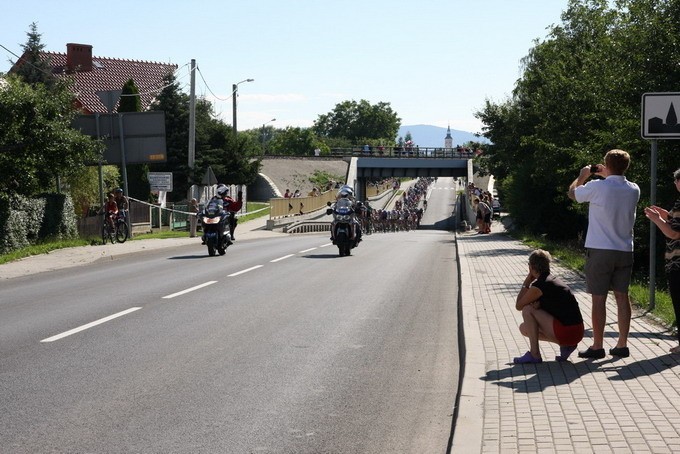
(214,207)
(343,206)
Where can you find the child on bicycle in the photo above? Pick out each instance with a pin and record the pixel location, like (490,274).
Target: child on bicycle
(111,210)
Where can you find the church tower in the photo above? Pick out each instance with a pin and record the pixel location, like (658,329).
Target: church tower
(448,140)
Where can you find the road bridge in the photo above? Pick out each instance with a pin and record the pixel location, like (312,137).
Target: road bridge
(364,169)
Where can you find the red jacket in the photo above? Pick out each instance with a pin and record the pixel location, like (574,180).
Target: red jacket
(233,205)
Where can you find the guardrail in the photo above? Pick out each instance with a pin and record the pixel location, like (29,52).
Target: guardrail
(405,152)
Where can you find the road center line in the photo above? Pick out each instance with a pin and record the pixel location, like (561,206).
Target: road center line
(326,245)
(90,325)
(246,270)
(281,258)
(306,250)
(205,284)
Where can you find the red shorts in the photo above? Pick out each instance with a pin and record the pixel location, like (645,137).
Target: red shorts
(568,335)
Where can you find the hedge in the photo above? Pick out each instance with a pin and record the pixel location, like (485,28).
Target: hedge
(26,221)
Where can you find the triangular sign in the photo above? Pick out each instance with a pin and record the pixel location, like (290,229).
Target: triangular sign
(209,178)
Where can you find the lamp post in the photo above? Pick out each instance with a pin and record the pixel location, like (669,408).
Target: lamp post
(234,94)
(264,136)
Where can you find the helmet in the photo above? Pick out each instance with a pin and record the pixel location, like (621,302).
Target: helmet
(345,192)
(118,191)
(222,190)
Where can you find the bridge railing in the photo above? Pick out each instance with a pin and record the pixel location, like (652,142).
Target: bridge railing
(405,152)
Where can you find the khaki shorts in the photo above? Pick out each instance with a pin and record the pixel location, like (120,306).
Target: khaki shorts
(607,270)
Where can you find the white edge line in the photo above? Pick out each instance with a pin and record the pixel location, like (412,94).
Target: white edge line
(281,258)
(205,284)
(90,325)
(306,250)
(246,270)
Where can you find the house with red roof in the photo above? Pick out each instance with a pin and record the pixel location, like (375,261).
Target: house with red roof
(92,74)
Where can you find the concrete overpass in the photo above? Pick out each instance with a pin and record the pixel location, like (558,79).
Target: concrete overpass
(363,169)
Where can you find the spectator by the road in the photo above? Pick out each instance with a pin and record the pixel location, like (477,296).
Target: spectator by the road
(297,193)
(549,310)
(669,224)
(609,244)
(193,217)
(287,195)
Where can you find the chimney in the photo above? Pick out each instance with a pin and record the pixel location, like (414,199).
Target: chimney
(78,57)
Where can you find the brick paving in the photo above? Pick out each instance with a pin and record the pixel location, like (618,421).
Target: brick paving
(625,405)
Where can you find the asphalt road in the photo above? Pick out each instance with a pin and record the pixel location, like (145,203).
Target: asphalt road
(279,346)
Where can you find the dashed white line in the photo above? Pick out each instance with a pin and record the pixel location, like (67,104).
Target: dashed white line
(306,250)
(205,284)
(246,270)
(90,325)
(281,258)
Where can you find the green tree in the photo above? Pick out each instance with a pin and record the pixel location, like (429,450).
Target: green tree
(37,142)
(33,69)
(579,95)
(129,98)
(296,141)
(359,122)
(175,104)
(216,146)
(83,185)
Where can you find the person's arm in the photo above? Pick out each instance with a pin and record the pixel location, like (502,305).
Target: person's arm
(583,176)
(655,215)
(527,295)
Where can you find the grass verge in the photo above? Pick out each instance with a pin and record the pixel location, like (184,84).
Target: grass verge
(48,246)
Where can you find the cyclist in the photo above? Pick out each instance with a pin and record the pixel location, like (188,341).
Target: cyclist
(111,211)
(122,202)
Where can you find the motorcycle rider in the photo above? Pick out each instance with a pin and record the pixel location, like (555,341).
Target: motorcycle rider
(346,192)
(217,203)
(231,206)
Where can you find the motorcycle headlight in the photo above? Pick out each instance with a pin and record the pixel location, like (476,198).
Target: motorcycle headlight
(343,217)
(207,220)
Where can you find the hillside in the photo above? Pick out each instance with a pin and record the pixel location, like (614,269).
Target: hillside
(433,136)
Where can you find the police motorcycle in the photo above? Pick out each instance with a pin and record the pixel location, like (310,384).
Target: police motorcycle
(215,224)
(345,230)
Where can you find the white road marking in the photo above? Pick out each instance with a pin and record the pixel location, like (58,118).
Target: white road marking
(306,250)
(281,258)
(90,325)
(246,270)
(326,245)
(189,290)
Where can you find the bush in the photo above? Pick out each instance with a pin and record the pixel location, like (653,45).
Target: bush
(28,221)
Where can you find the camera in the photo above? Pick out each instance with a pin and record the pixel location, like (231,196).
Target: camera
(594,168)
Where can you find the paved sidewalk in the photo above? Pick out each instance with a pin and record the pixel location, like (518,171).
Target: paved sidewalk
(629,405)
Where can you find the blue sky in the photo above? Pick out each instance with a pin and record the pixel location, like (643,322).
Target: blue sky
(434,61)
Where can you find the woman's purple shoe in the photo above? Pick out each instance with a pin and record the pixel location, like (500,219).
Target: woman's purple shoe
(564,353)
(528,358)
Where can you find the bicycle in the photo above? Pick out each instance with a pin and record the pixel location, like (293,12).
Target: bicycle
(119,233)
(122,230)
(108,231)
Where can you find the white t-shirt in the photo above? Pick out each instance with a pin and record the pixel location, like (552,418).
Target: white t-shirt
(611,214)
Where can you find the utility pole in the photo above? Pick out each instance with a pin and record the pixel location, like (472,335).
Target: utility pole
(192,116)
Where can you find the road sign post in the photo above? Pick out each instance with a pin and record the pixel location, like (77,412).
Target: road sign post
(659,121)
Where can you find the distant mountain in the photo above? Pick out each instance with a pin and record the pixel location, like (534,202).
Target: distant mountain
(433,136)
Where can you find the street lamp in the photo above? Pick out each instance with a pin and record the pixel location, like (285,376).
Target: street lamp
(234,94)
(264,137)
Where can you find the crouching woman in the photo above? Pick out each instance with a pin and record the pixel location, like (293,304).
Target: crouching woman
(549,310)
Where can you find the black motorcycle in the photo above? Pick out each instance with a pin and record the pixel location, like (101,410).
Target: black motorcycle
(215,224)
(343,220)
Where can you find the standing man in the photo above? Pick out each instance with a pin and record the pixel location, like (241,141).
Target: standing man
(609,244)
